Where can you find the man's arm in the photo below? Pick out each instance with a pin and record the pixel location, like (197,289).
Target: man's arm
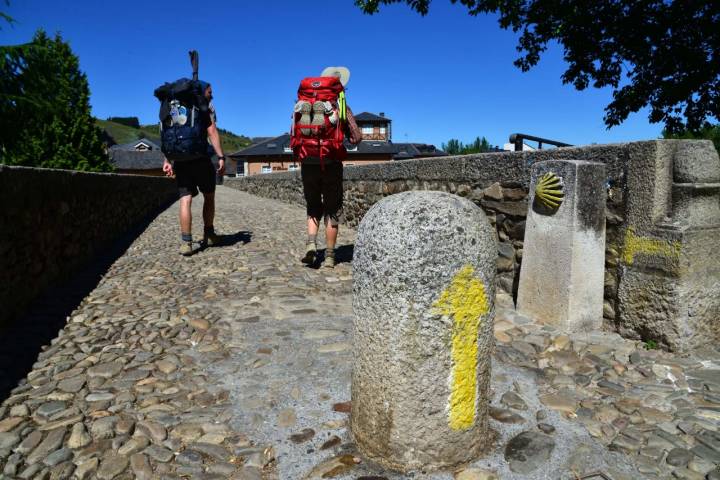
(354,134)
(214,138)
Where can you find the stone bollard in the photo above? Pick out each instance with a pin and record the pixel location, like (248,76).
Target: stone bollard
(423,297)
(563,267)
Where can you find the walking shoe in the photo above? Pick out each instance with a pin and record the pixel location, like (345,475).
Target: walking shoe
(309,257)
(329,259)
(318,117)
(211,239)
(304,108)
(186,249)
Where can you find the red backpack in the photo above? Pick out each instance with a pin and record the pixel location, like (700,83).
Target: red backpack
(318,120)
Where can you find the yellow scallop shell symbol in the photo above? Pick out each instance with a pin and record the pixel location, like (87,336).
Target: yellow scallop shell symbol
(549,190)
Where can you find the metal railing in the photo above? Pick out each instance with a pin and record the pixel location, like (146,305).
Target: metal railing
(518,138)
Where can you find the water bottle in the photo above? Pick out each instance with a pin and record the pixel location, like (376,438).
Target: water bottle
(174,111)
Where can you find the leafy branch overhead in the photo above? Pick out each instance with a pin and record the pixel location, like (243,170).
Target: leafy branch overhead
(659,54)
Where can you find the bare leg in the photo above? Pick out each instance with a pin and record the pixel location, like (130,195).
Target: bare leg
(313,224)
(209,209)
(186,214)
(331,233)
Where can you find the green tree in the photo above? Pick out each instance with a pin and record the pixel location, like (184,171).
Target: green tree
(45,118)
(453,147)
(710,132)
(664,55)
(456,147)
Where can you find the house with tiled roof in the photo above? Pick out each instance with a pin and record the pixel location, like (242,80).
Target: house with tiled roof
(274,154)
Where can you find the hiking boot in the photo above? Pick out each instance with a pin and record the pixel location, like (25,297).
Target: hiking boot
(318,117)
(304,108)
(186,249)
(211,239)
(329,260)
(310,256)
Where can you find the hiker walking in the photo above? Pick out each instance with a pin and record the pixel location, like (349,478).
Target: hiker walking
(321,122)
(188,123)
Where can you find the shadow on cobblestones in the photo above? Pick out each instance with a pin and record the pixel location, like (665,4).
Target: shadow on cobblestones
(21,341)
(230,240)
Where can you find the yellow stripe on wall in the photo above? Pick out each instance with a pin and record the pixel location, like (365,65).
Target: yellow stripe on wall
(466,302)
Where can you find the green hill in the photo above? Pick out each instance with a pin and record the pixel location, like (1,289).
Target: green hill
(120,134)
(123,134)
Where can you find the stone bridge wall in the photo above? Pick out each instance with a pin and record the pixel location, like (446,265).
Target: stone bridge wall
(52,221)
(651,199)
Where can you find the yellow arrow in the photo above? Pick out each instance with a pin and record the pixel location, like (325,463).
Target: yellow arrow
(466,302)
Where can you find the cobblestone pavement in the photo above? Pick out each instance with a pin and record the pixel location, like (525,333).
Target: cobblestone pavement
(235,363)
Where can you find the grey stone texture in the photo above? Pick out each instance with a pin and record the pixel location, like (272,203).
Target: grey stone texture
(409,249)
(562,277)
(53,221)
(657,189)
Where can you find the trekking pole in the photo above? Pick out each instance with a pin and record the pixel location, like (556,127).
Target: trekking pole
(194,61)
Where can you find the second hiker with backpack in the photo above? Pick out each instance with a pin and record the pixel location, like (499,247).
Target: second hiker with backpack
(187,125)
(321,123)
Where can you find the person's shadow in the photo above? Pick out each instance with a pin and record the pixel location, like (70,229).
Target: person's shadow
(230,240)
(227,240)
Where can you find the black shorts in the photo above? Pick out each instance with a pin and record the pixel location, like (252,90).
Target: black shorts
(323,189)
(192,175)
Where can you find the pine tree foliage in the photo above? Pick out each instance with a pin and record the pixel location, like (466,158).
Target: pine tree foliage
(45,118)
(456,147)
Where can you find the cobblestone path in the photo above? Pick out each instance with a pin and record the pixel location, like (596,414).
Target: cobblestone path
(235,363)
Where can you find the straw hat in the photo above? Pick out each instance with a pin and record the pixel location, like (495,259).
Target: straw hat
(341,72)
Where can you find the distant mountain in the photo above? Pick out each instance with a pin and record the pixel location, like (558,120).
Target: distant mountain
(118,133)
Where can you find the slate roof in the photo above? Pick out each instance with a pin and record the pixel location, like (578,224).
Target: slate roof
(370,117)
(414,150)
(130,147)
(136,160)
(269,146)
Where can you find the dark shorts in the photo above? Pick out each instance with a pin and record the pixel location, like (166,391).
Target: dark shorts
(323,189)
(194,175)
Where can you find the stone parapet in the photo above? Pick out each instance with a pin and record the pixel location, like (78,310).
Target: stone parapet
(651,186)
(52,221)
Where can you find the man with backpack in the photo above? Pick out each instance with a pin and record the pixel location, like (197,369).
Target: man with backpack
(187,119)
(321,122)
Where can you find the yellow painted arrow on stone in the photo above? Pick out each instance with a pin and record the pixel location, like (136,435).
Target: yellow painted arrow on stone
(466,302)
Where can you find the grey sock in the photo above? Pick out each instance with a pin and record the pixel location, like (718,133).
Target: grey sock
(310,243)
(186,237)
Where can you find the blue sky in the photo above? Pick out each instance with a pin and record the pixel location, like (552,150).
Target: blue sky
(446,75)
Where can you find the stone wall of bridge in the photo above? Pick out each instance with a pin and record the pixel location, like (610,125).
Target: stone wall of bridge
(53,221)
(663,206)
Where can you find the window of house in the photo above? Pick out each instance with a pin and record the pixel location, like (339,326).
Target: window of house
(382,130)
(266,169)
(287,149)
(367,130)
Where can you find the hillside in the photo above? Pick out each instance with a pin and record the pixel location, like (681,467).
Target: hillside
(125,134)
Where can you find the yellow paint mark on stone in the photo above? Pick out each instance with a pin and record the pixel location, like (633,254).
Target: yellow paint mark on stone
(635,245)
(466,302)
